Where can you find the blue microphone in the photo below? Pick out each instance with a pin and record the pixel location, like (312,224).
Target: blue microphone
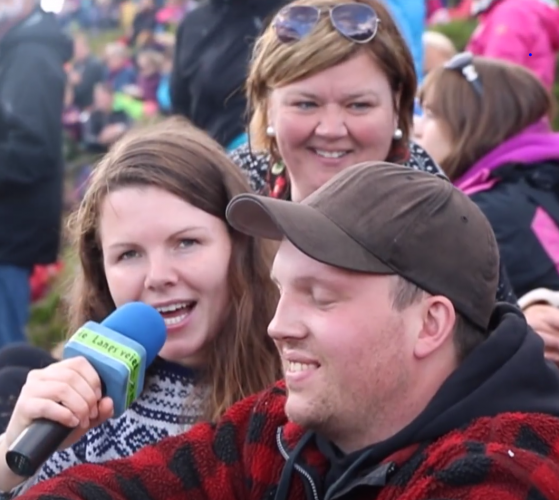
(119,349)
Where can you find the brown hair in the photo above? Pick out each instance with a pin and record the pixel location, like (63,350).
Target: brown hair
(275,64)
(512,99)
(184,161)
(467,336)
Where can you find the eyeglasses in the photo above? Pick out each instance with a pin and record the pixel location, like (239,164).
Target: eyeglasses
(356,21)
(464,63)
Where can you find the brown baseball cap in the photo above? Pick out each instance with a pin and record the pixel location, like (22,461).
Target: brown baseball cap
(382,218)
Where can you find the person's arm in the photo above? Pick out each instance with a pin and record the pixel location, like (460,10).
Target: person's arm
(30,118)
(91,128)
(203,463)
(539,296)
(541,309)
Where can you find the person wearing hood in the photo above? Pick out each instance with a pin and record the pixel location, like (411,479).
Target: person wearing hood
(212,53)
(525,32)
(486,123)
(403,379)
(33,51)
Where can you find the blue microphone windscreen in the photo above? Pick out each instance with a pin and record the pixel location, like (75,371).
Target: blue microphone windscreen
(141,323)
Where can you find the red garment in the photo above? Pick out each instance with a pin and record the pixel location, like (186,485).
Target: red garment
(41,278)
(239,459)
(462,11)
(491,432)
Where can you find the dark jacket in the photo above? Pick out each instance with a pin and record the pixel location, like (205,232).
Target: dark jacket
(212,52)
(527,233)
(94,125)
(491,431)
(92,72)
(516,185)
(32,82)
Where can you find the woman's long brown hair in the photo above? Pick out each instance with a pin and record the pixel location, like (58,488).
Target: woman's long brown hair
(184,161)
(512,99)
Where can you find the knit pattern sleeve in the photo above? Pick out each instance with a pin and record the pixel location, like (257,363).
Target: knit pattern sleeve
(206,463)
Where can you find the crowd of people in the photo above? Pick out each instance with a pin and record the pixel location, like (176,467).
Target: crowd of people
(351,234)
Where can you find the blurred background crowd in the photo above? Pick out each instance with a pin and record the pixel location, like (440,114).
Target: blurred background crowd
(120,120)
(136,61)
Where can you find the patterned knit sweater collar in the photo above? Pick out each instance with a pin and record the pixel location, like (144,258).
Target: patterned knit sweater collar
(170,404)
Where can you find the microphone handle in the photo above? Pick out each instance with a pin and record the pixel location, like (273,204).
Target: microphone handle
(35,445)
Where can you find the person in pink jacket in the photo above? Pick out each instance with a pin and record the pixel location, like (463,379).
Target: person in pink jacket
(525,32)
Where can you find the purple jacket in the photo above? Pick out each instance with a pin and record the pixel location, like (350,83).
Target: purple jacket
(149,86)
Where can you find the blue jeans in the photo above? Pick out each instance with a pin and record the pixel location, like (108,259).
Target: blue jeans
(15,296)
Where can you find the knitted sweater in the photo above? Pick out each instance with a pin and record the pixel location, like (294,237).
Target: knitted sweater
(491,432)
(170,404)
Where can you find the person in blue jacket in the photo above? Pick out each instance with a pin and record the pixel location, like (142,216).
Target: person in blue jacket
(410,18)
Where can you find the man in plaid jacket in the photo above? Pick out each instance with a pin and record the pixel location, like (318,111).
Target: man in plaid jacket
(403,379)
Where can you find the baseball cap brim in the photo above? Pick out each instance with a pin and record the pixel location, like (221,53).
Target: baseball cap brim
(306,228)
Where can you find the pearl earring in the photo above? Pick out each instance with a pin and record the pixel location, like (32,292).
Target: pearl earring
(270,131)
(398,134)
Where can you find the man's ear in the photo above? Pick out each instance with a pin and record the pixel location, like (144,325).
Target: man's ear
(438,320)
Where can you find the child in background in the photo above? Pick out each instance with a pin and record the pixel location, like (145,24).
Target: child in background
(120,71)
(437,50)
(103,126)
(150,64)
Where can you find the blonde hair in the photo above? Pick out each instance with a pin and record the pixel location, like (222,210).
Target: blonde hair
(275,64)
(441,43)
(116,49)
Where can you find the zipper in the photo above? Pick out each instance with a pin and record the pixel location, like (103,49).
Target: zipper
(298,468)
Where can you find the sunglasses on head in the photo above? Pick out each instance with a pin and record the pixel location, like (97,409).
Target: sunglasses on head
(464,64)
(356,21)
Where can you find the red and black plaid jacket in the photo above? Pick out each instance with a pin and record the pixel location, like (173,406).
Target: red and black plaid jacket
(512,456)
